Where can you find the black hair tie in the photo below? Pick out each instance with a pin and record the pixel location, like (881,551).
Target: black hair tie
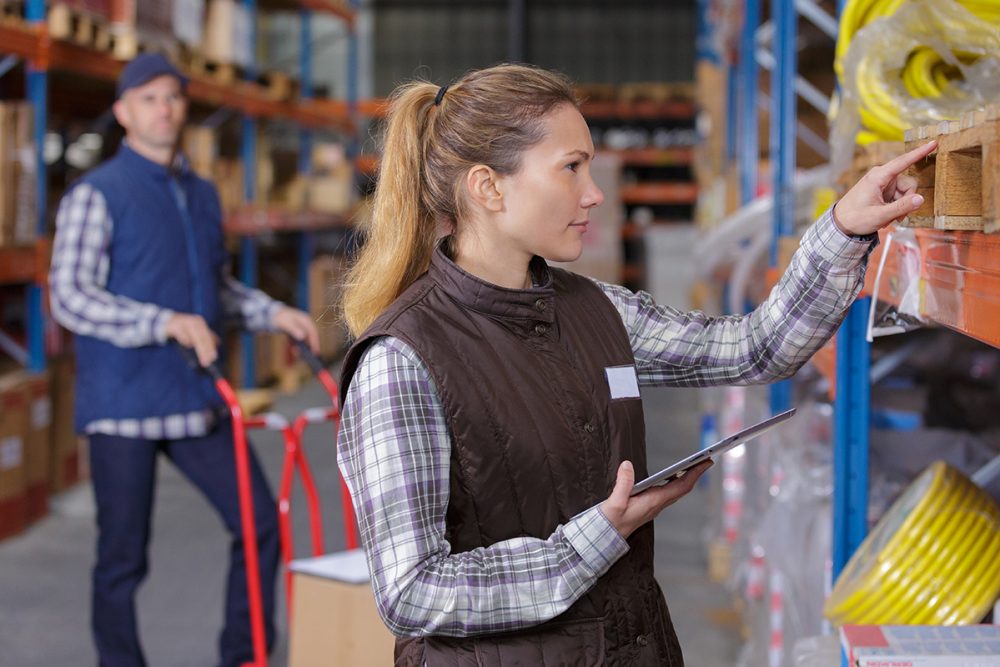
(440,96)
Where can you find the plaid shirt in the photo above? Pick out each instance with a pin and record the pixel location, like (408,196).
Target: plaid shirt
(394,448)
(81,303)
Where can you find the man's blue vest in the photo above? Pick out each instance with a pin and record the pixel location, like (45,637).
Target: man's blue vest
(159,254)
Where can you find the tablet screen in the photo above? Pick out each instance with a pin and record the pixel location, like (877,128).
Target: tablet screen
(712,451)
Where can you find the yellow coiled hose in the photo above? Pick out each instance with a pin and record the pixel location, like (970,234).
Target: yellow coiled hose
(925,75)
(934,558)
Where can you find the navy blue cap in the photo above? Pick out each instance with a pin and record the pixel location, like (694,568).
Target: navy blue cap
(145,68)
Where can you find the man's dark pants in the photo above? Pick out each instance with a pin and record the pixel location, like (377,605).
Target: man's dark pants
(123,471)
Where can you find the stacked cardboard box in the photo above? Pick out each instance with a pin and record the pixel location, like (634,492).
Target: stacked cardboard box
(14,420)
(227,35)
(38,444)
(66,463)
(331,187)
(325,279)
(17,182)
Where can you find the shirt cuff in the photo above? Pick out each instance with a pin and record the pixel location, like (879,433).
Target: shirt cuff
(269,313)
(160,325)
(831,249)
(599,544)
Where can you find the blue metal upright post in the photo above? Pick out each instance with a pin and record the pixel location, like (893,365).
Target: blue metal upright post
(37,90)
(307,242)
(748,74)
(782,140)
(248,245)
(852,416)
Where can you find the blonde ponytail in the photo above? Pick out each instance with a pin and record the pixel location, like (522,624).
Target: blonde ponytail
(489,117)
(399,235)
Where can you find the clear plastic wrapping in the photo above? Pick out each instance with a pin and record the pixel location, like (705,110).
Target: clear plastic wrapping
(875,97)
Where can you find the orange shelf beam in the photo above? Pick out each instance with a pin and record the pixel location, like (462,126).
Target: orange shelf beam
(332,7)
(653,194)
(957,281)
(25,264)
(655,157)
(252,221)
(637,110)
(367,164)
(33,44)
(22,40)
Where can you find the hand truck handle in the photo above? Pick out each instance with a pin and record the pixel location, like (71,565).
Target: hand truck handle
(315,364)
(212,370)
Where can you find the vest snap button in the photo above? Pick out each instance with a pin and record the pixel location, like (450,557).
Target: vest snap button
(540,305)
(641,640)
(540,329)
(588,427)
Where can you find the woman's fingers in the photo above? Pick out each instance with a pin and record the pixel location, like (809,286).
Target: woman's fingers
(898,165)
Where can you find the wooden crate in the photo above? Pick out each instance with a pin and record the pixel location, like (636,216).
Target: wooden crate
(961,181)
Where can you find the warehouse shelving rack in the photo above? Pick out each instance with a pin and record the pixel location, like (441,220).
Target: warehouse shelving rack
(958,269)
(31,42)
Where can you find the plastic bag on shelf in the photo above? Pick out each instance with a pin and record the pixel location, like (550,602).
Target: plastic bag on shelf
(876,102)
(905,286)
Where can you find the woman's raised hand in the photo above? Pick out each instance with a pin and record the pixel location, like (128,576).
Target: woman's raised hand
(882,195)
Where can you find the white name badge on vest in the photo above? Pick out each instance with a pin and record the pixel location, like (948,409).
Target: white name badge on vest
(622,381)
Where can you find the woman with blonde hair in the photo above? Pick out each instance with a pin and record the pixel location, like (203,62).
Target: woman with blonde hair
(492,427)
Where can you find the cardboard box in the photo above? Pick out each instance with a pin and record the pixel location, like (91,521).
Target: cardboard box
(325,280)
(14,420)
(38,444)
(65,464)
(334,620)
(921,645)
(331,193)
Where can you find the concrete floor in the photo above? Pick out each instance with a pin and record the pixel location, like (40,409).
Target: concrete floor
(44,573)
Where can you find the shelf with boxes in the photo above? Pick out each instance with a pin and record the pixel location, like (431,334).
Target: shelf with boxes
(69,56)
(648,128)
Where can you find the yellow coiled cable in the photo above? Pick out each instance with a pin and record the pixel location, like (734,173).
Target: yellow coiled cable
(934,558)
(925,75)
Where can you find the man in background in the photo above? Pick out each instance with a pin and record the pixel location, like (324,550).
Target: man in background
(138,263)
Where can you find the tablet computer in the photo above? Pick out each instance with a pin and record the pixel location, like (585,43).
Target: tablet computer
(678,469)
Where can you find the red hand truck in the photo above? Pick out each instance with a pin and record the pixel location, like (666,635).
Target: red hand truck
(295,458)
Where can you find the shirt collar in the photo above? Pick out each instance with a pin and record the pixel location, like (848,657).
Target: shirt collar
(536,303)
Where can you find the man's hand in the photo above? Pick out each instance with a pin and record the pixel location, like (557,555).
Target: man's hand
(882,195)
(191,331)
(298,325)
(627,512)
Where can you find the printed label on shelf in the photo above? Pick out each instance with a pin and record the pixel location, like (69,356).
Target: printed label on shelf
(11,452)
(41,413)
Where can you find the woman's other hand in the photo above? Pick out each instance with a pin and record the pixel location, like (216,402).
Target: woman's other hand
(627,512)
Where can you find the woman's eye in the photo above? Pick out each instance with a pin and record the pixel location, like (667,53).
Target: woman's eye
(573,166)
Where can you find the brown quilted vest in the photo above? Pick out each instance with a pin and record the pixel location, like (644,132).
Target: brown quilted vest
(536,439)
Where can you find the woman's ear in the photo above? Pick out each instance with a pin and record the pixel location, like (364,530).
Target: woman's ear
(482,186)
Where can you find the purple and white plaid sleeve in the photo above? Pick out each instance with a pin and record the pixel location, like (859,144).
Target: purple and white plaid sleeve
(249,308)
(79,274)
(802,312)
(394,450)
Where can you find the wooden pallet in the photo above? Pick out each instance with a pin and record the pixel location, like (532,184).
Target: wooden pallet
(122,43)
(278,86)
(223,73)
(12,11)
(71,24)
(866,157)
(961,181)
